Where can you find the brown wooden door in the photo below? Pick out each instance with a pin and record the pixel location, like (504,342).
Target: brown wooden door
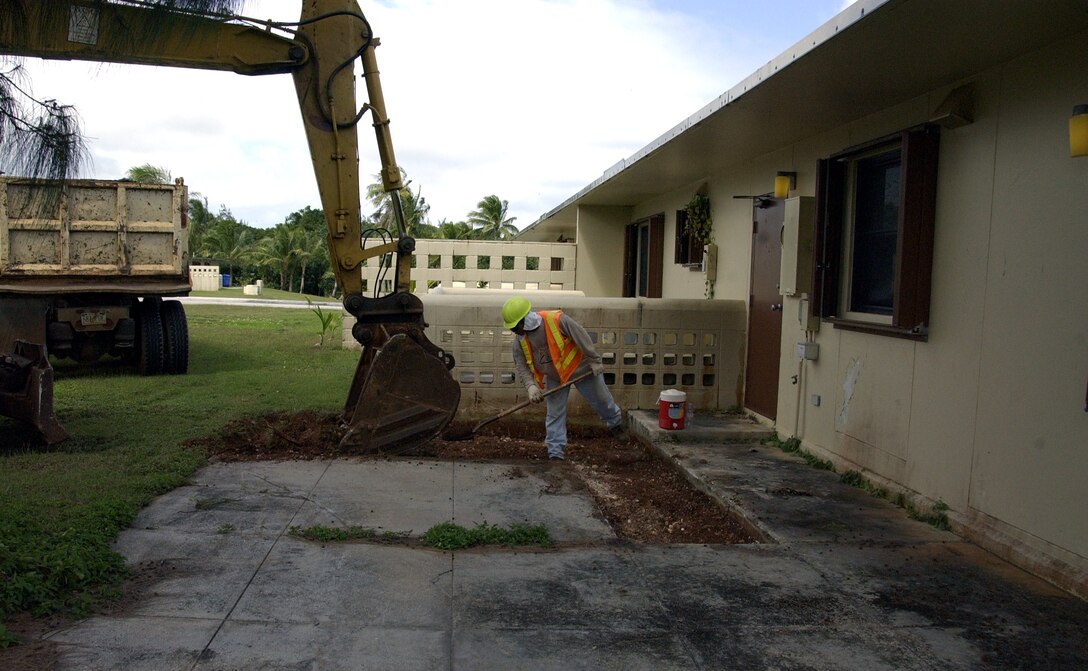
(643,257)
(764,309)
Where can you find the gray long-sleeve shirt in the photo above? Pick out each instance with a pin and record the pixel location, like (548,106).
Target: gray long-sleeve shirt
(542,357)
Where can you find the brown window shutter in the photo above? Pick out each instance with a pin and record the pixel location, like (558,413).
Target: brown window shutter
(827,242)
(681,249)
(629,262)
(918,212)
(656,254)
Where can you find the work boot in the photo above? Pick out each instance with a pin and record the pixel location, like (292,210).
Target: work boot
(620,434)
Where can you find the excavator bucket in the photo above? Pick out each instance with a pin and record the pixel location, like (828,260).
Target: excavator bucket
(401,397)
(26,390)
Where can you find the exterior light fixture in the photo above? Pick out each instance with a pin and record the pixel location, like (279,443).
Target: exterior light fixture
(784,182)
(1078,131)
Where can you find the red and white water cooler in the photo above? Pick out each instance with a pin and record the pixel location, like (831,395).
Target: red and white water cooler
(671,409)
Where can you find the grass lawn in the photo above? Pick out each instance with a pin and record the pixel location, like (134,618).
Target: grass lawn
(266,293)
(61,507)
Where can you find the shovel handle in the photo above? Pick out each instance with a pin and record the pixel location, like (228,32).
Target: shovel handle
(514,408)
(548,392)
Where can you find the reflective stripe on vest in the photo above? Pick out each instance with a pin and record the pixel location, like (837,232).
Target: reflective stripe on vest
(565,354)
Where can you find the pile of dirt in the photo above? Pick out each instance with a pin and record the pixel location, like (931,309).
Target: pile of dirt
(643,496)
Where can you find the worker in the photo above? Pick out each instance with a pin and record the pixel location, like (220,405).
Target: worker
(550,348)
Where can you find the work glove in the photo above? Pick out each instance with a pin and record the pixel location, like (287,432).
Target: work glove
(597,367)
(535,394)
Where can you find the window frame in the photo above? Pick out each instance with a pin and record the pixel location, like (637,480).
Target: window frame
(687,250)
(919,147)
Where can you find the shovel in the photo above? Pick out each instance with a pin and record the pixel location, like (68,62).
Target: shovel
(455,436)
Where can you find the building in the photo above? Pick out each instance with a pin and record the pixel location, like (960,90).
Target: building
(916,303)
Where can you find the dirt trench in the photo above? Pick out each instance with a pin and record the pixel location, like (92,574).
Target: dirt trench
(644,497)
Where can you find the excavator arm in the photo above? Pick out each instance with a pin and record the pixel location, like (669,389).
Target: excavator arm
(402,393)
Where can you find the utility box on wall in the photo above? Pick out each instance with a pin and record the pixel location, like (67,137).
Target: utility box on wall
(797,252)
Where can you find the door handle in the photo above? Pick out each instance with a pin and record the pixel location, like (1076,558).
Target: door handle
(776,307)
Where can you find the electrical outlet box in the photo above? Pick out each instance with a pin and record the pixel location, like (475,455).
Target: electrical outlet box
(798,228)
(808,350)
(710,261)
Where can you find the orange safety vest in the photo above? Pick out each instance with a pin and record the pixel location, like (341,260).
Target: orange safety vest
(565,354)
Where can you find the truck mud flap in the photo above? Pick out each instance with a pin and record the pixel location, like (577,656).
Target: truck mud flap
(401,397)
(26,390)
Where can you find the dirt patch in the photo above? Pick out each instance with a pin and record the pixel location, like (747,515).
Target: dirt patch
(644,497)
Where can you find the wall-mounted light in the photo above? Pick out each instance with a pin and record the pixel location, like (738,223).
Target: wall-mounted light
(784,182)
(1078,131)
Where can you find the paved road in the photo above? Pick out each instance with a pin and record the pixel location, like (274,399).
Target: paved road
(263,302)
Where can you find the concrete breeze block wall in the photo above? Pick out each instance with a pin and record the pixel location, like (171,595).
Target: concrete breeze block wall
(648,345)
(205,278)
(434,259)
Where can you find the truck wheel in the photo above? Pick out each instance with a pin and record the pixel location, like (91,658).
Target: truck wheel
(149,359)
(175,331)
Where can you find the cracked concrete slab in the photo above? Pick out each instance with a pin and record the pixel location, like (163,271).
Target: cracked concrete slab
(844,581)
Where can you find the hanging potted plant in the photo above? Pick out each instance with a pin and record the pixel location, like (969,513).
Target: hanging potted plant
(699,224)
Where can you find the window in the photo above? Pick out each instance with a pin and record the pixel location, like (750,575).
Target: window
(688,250)
(875,211)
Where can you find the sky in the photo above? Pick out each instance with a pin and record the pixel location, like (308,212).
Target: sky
(529,100)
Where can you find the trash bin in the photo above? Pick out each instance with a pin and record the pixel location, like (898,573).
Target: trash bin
(226,280)
(671,405)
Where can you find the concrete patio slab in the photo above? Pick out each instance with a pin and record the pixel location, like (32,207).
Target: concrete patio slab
(843,581)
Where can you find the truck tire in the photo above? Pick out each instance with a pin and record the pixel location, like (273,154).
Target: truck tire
(175,331)
(150,349)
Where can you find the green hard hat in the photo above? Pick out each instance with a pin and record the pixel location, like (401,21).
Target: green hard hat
(514,310)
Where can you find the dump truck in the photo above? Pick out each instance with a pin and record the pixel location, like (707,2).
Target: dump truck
(85,267)
(402,393)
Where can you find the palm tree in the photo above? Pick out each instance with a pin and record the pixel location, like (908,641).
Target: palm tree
(149,174)
(490,217)
(311,247)
(330,275)
(200,222)
(227,240)
(414,205)
(454,230)
(280,250)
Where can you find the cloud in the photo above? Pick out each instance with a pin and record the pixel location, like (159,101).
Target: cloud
(520,99)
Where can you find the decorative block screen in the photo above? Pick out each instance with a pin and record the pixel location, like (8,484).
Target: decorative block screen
(514,266)
(648,345)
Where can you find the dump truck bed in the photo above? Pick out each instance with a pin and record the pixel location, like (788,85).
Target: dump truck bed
(93,236)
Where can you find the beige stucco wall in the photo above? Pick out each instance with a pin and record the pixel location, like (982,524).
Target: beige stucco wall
(988,415)
(600,273)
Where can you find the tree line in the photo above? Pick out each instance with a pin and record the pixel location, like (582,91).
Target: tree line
(294,256)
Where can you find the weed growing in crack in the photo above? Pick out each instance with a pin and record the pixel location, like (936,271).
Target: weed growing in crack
(937,517)
(339,534)
(855,479)
(793,446)
(450,536)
